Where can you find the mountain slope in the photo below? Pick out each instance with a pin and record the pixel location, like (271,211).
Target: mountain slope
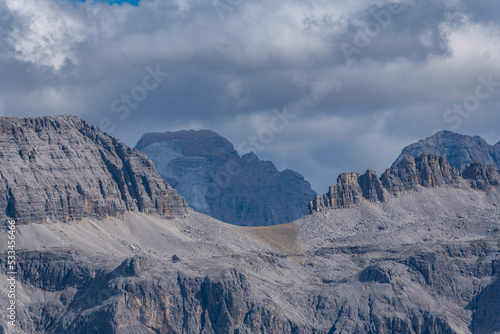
(459,150)
(415,251)
(63,168)
(423,262)
(206,170)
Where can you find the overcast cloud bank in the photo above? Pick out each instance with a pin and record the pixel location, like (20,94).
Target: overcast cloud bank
(362,79)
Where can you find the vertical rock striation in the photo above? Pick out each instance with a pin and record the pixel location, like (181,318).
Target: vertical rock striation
(350,190)
(410,174)
(63,168)
(426,170)
(482,177)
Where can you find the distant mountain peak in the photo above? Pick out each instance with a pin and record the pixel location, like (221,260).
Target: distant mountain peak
(205,168)
(458,149)
(408,175)
(194,142)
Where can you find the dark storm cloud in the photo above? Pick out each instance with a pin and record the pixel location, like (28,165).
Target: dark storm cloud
(351,113)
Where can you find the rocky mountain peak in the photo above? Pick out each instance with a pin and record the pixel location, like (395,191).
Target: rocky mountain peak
(205,143)
(205,168)
(350,190)
(426,170)
(428,262)
(62,168)
(459,150)
(409,174)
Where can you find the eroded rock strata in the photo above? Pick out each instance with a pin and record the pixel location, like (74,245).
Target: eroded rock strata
(410,174)
(414,251)
(459,150)
(64,169)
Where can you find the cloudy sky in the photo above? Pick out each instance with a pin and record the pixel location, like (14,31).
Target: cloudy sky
(317,86)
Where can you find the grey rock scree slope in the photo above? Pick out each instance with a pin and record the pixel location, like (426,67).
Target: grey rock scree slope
(415,251)
(205,169)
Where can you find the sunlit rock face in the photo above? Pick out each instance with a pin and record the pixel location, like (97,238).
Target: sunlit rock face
(63,169)
(414,251)
(408,175)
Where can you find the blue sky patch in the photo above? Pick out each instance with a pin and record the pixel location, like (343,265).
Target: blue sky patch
(132,2)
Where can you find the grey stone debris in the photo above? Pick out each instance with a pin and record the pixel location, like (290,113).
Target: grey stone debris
(434,268)
(207,171)
(459,150)
(415,251)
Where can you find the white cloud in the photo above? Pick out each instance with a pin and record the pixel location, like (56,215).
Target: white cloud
(44,34)
(229,75)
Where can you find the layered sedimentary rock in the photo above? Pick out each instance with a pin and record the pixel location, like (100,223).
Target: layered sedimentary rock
(433,268)
(62,168)
(115,301)
(410,174)
(426,171)
(208,172)
(481,176)
(350,190)
(425,261)
(459,150)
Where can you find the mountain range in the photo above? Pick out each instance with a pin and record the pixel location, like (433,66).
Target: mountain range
(426,170)
(105,245)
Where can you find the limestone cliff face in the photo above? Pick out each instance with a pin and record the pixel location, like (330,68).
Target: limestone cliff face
(409,289)
(426,170)
(482,177)
(459,150)
(410,174)
(62,168)
(427,263)
(205,169)
(349,191)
